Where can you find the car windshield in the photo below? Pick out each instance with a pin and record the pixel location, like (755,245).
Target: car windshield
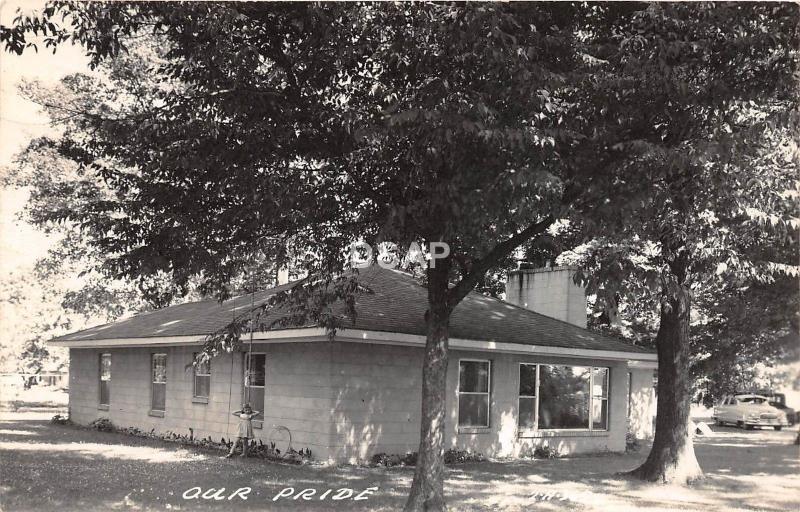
(753,400)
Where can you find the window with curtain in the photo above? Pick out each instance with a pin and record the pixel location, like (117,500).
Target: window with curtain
(158,396)
(255,380)
(599,398)
(105,379)
(473,393)
(630,392)
(202,376)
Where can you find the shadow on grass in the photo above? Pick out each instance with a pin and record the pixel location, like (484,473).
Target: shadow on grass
(742,471)
(72,468)
(48,467)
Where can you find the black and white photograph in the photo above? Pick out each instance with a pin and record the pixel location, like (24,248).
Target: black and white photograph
(399,256)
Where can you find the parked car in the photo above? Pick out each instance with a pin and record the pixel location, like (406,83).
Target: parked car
(778,401)
(749,411)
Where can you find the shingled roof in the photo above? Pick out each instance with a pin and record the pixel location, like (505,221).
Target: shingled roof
(395,303)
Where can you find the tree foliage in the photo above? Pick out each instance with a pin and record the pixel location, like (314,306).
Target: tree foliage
(312,125)
(696,167)
(234,131)
(319,123)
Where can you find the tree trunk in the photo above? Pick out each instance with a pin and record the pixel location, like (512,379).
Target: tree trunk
(427,489)
(672,458)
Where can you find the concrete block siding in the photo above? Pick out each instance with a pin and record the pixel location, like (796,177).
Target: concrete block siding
(504,439)
(294,398)
(642,404)
(344,401)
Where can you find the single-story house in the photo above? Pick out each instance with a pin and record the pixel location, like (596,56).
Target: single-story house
(523,373)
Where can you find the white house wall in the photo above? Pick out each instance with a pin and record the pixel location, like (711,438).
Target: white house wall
(377,404)
(131,391)
(298,395)
(643,404)
(296,382)
(344,401)
(503,439)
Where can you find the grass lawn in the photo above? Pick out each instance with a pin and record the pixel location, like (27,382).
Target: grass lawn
(47,467)
(37,398)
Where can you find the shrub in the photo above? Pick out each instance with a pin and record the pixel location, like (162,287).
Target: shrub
(545,452)
(297,457)
(410,459)
(102,424)
(270,452)
(389,460)
(60,420)
(540,452)
(631,443)
(453,456)
(256,449)
(385,459)
(134,431)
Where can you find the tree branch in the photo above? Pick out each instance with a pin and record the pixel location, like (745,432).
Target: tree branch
(501,250)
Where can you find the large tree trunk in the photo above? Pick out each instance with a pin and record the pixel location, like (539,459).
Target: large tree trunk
(427,489)
(672,458)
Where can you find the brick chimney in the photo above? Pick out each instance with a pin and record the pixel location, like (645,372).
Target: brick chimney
(550,291)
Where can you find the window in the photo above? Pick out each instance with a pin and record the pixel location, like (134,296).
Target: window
(527,395)
(599,398)
(630,392)
(255,379)
(202,376)
(563,397)
(473,393)
(105,379)
(158,396)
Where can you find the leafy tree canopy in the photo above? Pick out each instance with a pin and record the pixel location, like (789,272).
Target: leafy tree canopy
(658,129)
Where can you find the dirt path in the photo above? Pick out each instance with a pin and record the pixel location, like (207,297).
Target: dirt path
(45,467)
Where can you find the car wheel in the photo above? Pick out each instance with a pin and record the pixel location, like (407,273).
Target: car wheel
(740,424)
(778,427)
(717,422)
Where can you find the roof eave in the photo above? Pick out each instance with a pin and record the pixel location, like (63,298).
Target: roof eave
(315,334)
